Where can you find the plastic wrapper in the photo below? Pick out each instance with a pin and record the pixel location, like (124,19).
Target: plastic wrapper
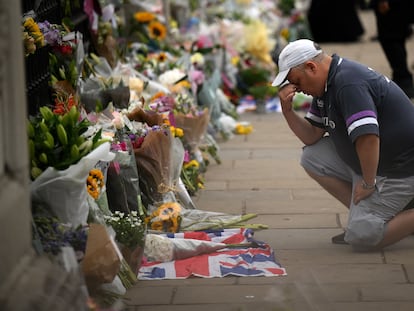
(207,97)
(123,190)
(159,160)
(94,93)
(192,220)
(162,249)
(64,192)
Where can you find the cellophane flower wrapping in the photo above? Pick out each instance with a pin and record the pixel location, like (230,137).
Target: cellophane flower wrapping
(123,191)
(159,160)
(130,232)
(207,97)
(97,198)
(193,220)
(160,248)
(194,127)
(64,191)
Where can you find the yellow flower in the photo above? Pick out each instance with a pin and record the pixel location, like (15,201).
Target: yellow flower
(235,60)
(192,163)
(173,24)
(243,129)
(167,217)
(285,33)
(32,33)
(162,57)
(178,87)
(257,41)
(178,132)
(157,30)
(31,25)
(197,58)
(144,17)
(94,183)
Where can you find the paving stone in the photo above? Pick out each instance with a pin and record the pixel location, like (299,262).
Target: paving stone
(145,295)
(401,253)
(262,184)
(280,205)
(281,296)
(338,255)
(373,306)
(299,238)
(298,220)
(360,273)
(409,268)
(388,292)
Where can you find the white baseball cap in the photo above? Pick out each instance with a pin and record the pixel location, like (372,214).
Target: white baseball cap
(294,54)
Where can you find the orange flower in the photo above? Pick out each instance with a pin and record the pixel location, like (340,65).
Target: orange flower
(144,17)
(157,95)
(157,30)
(63,104)
(178,87)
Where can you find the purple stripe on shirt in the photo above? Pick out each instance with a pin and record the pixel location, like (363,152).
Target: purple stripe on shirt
(360,115)
(315,112)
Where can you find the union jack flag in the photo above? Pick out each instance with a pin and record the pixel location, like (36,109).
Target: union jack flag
(246,261)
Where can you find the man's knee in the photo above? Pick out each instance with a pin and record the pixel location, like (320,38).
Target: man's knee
(365,232)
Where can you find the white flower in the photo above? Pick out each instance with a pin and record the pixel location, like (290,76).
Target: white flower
(158,248)
(170,77)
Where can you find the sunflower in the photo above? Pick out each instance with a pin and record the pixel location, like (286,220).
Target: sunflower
(157,30)
(144,17)
(167,217)
(94,183)
(162,57)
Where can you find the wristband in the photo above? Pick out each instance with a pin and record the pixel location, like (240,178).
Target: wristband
(367,186)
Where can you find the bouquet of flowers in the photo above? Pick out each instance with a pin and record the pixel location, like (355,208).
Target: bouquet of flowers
(159,158)
(123,189)
(144,27)
(33,38)
(194,127)
(130,232)
(62,153)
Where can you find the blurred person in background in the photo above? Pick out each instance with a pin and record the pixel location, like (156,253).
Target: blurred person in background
(335,21)
(394,19)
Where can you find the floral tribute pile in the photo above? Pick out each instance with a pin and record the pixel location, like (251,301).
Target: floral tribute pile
(118,154)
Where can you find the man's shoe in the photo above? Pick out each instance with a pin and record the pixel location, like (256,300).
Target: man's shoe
(339,239)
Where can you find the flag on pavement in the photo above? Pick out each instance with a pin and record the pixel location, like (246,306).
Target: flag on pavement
(256,260)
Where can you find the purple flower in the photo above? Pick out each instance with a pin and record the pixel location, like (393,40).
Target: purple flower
(51,33)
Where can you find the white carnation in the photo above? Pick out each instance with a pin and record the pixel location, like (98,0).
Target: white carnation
(158,248)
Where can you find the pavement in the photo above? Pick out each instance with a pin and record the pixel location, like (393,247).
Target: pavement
(260,173)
